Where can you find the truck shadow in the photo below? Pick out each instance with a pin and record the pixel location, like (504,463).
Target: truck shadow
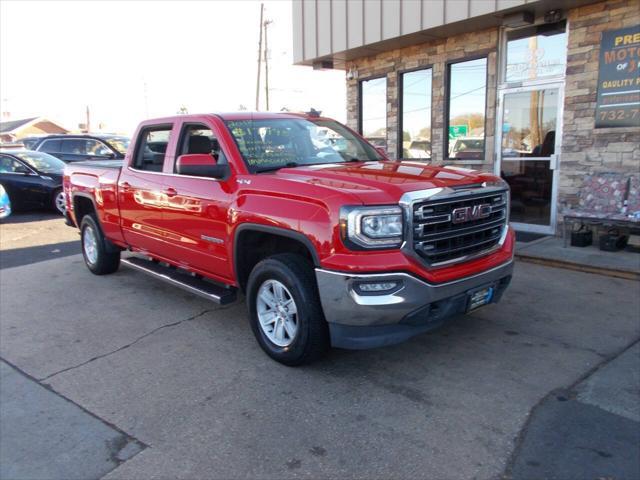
(17,257)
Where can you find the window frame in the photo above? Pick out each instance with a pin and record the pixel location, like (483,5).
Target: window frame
(400,82)
(143,131)
(386,104)
(447,105)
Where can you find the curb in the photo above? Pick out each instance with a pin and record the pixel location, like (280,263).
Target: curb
(609,272)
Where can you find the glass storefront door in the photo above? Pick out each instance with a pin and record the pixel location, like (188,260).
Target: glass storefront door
(528,143)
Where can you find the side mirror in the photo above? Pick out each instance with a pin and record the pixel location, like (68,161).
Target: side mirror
(201,165)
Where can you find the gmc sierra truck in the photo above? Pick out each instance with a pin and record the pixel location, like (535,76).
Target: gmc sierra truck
(330,242)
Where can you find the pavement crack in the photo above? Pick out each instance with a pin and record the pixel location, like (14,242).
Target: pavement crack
(119,349)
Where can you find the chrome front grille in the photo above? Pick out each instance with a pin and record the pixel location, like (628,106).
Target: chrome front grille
(446,230)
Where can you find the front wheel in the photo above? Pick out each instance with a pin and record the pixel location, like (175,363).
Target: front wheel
(285,312)
(97,257)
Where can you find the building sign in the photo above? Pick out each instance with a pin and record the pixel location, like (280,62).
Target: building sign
(458,131)
(618,103)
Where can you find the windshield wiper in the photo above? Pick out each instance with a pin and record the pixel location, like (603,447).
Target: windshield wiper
(278,167)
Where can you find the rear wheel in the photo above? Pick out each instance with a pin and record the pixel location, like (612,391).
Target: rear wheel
(285,312)
(97,256)
(58,202)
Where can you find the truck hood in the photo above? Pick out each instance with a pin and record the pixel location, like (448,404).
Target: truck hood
(384,181)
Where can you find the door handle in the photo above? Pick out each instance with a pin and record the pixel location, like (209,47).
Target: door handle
(171,192)
(125,186)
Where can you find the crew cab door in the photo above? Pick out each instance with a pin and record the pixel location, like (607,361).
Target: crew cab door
(195,215)
(141,188)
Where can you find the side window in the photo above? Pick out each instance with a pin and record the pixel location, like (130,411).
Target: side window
(75,146)
(151,148)
(200,139)
(9,165)
(50,146)
(95,147)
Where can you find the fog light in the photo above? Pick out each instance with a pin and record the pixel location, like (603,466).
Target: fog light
(377,287)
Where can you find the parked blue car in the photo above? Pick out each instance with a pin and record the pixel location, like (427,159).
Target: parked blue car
(5,204)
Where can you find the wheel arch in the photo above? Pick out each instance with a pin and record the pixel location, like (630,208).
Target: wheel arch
(272,240)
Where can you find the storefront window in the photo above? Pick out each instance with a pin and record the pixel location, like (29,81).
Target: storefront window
(529,123)
(467,92)
(536,52)
(415,92)
(373,111)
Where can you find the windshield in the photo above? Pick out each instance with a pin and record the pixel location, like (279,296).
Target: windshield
(269,144)
(42,162)
(119,143)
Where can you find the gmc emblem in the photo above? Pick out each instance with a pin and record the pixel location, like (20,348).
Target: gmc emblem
(467,214)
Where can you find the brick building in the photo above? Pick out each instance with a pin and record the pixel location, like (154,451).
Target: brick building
(543,92)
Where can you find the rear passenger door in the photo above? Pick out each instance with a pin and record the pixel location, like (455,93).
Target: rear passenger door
(195,215)
(141,189)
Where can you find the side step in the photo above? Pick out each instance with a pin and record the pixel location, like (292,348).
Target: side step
(182,279)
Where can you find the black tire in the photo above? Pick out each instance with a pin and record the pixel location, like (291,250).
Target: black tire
(311,340)
(107,260)
(53,204)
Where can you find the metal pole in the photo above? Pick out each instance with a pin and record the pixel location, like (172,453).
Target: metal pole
(259,60)
(266,63)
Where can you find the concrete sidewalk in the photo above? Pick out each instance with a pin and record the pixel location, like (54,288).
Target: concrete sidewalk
(551,251)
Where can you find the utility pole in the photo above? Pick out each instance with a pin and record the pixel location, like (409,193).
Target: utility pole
(266,63)
(259,60)
(88,120)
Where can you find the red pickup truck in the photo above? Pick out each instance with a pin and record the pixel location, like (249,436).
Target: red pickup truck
(331,243)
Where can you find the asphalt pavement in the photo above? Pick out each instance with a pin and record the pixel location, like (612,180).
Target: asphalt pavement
(183,388)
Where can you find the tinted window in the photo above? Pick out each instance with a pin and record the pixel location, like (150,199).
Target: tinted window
(50,146)
(9,165)
(467,101)
(151,149)
(95,147)
(373,111)
(416,114)
(74,146)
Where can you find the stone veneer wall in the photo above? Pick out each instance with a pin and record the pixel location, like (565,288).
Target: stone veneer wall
(435,54)
(586,149)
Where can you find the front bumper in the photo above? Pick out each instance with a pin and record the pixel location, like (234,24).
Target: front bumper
(359,321)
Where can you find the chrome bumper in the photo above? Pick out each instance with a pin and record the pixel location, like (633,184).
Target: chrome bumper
(344,305)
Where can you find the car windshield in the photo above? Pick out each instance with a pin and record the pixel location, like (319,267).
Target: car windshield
(119,143)
(270,144)
(42,162)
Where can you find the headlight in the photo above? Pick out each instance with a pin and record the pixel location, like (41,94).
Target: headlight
(371,227)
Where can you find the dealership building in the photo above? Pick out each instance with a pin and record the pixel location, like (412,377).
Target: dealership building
(544,93)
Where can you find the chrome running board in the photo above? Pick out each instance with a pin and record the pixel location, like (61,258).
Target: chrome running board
(182,279)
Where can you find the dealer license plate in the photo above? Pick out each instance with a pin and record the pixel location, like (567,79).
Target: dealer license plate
(479,298)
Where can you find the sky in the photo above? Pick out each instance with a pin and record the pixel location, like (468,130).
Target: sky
(132,60)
